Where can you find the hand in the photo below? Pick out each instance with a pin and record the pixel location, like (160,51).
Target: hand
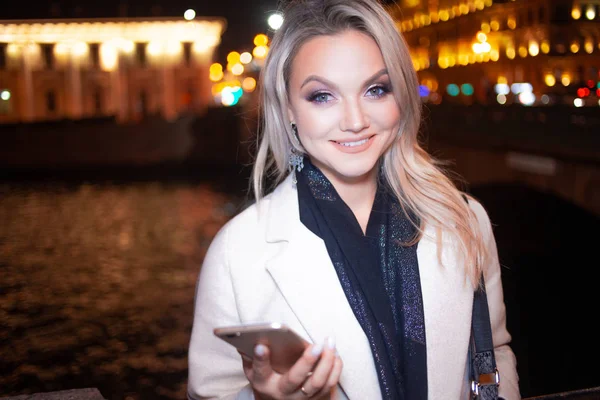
(311,377)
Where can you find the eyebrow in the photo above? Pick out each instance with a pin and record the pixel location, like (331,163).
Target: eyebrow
(324,81)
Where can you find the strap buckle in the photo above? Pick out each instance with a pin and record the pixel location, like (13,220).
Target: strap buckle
(485,380)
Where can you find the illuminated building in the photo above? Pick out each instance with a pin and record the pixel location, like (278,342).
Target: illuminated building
(521,51)
(126,68)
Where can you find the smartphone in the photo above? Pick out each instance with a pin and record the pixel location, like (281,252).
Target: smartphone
(285,345)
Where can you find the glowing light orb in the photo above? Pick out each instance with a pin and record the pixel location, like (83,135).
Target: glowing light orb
(275,21)
(189,14)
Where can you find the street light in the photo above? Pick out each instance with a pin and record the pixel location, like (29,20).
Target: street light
(275,21)
(189,14)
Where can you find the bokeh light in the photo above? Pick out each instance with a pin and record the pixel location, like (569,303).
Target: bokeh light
(275,21)
(527,98)
(189,14)
(260,52)
(261,40)
(590,12)
(233,57)
(245,58)
(249,84)
(467,89)
(545,99)
(453,90)
(237,69)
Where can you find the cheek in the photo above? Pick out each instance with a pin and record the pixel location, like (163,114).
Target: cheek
(387,117)
(314,122)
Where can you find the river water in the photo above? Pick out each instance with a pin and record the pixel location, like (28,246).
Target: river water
(97,284)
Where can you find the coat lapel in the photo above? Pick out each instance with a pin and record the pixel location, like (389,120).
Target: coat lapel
(307,280)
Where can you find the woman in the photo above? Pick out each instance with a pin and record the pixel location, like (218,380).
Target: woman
(366,249)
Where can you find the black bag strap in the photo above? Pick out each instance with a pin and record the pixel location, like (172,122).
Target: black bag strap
(483,372)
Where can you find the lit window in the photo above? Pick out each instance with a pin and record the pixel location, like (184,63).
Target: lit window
(590,12)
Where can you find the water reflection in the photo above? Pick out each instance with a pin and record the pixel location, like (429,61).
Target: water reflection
(98,283)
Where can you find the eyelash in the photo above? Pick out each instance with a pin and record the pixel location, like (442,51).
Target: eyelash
(313,97)
(382,91)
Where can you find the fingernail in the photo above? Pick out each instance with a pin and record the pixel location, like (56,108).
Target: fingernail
(260,350)
(331,342)
(317,350)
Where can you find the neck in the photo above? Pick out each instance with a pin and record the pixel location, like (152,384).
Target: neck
(358,193)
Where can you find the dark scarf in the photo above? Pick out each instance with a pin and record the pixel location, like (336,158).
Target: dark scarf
(380,278)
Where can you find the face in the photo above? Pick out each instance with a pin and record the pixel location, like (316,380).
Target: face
(342,103)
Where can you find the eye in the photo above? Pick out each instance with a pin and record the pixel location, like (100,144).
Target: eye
(378,91)
(320,97)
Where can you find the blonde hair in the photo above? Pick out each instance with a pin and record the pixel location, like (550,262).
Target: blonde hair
(421,185)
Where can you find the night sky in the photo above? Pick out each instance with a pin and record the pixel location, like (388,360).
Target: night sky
(245,18)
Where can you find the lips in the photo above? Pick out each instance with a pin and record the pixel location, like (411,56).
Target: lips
(354,141)
(354,145)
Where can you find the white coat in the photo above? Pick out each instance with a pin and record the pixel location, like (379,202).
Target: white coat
(265,266)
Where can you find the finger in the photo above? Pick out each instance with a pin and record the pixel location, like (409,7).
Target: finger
(296,375)
(321,372)
(261,364)
(334,378)
(247,365)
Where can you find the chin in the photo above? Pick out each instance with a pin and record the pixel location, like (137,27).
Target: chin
(348,172)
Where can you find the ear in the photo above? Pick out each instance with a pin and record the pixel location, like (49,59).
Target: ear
(291,115)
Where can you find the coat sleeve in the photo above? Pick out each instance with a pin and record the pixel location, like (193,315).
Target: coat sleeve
(215,367)
(505,358)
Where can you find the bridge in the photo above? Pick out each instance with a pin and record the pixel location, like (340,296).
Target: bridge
(555,150)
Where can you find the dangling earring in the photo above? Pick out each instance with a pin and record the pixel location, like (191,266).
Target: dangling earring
(296,162)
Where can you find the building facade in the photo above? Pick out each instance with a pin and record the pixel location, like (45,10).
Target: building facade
(532,52)
(124,68)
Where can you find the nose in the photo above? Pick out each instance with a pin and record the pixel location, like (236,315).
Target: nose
(354,118)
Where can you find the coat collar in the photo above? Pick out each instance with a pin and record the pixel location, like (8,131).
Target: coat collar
(283,213)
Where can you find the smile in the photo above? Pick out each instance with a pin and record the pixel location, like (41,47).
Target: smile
(352,144)
(355,146)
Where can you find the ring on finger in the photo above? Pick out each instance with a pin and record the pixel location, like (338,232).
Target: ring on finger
(304,392)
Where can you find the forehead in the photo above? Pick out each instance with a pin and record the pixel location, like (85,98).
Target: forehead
(350,55)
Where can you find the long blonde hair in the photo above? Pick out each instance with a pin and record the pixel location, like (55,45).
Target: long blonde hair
(420,183)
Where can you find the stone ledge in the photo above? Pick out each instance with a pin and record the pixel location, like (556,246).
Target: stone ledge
(75,394)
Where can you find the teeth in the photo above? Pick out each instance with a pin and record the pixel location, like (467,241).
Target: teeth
(352,144)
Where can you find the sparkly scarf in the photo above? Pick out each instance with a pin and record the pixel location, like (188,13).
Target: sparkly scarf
(380,278)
